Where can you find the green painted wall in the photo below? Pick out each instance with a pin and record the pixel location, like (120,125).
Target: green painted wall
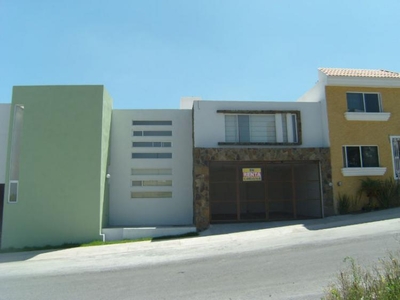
(63,160)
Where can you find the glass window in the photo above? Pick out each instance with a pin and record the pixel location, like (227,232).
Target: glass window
(151,182)
(396,156)
(363,102)
(151,122)
(151,155)
(360,156)
(152,144)
(142,144)
(355,102)
(153,133)
(244,128)
(151,195)
(13,191)
(157,133)
(157,171)
(369,156)
(372,103)
(257,128)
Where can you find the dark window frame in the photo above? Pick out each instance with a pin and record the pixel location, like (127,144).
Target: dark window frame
(361,159)
(365,101)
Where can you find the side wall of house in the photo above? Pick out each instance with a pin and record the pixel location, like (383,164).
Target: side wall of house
(61,163)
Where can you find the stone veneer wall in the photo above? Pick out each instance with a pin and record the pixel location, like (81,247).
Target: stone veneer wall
(202,157)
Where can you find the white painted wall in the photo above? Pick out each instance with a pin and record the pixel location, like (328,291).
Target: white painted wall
(187,102)
(209,126)
(177,210)
(4,126)
(317,94)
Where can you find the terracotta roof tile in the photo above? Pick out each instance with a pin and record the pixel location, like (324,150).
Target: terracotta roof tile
(359,73)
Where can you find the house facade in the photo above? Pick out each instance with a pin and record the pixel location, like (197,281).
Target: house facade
(243,172)
(362,114)
(74,170)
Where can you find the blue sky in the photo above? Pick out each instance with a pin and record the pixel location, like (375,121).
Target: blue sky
(149,53)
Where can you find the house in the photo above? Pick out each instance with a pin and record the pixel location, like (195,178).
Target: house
(259,161)
(362,112)
(73,169)
(55,179)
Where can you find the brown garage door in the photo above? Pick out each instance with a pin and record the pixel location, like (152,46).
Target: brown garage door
(244,191)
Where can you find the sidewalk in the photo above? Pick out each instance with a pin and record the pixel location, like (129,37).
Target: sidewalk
(217,234)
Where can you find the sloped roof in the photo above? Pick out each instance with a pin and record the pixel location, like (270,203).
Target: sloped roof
(359,73)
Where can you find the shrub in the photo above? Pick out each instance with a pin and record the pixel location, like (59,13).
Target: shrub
(347,203)
(386,192)
(382,282)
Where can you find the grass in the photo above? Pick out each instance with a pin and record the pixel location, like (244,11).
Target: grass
(98,243)
(380,282)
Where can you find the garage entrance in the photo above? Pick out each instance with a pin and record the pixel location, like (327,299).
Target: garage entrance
(257,191)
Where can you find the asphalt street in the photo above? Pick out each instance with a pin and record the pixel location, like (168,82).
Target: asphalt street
(282,260)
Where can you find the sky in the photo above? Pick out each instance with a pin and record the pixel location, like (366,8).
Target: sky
(150,53)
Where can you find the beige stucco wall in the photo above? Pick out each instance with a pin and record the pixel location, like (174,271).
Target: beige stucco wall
(343,132)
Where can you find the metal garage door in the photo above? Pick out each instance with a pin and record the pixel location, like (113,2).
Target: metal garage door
(244,191)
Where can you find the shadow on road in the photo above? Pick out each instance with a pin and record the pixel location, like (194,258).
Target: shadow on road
(314,224)
(21,256)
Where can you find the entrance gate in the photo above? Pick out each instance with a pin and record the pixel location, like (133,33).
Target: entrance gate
(245,191)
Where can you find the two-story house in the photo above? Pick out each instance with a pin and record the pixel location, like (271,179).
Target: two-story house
(361,109)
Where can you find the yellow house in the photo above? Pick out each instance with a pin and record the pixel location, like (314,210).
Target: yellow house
(362,124)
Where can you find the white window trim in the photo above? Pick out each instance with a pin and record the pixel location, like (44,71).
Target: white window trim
(392,137)
(366,116)
(377,171)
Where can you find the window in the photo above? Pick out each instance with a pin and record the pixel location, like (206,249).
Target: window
(261,128)
(152,144)
(152,133)
(151,195)
(151,182)
(151,155)
(360,156)
(363,102)
(135,171)
(396,155)
(151,123)
(13,191)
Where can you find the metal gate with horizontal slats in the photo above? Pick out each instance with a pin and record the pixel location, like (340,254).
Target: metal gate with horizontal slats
(257,191)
